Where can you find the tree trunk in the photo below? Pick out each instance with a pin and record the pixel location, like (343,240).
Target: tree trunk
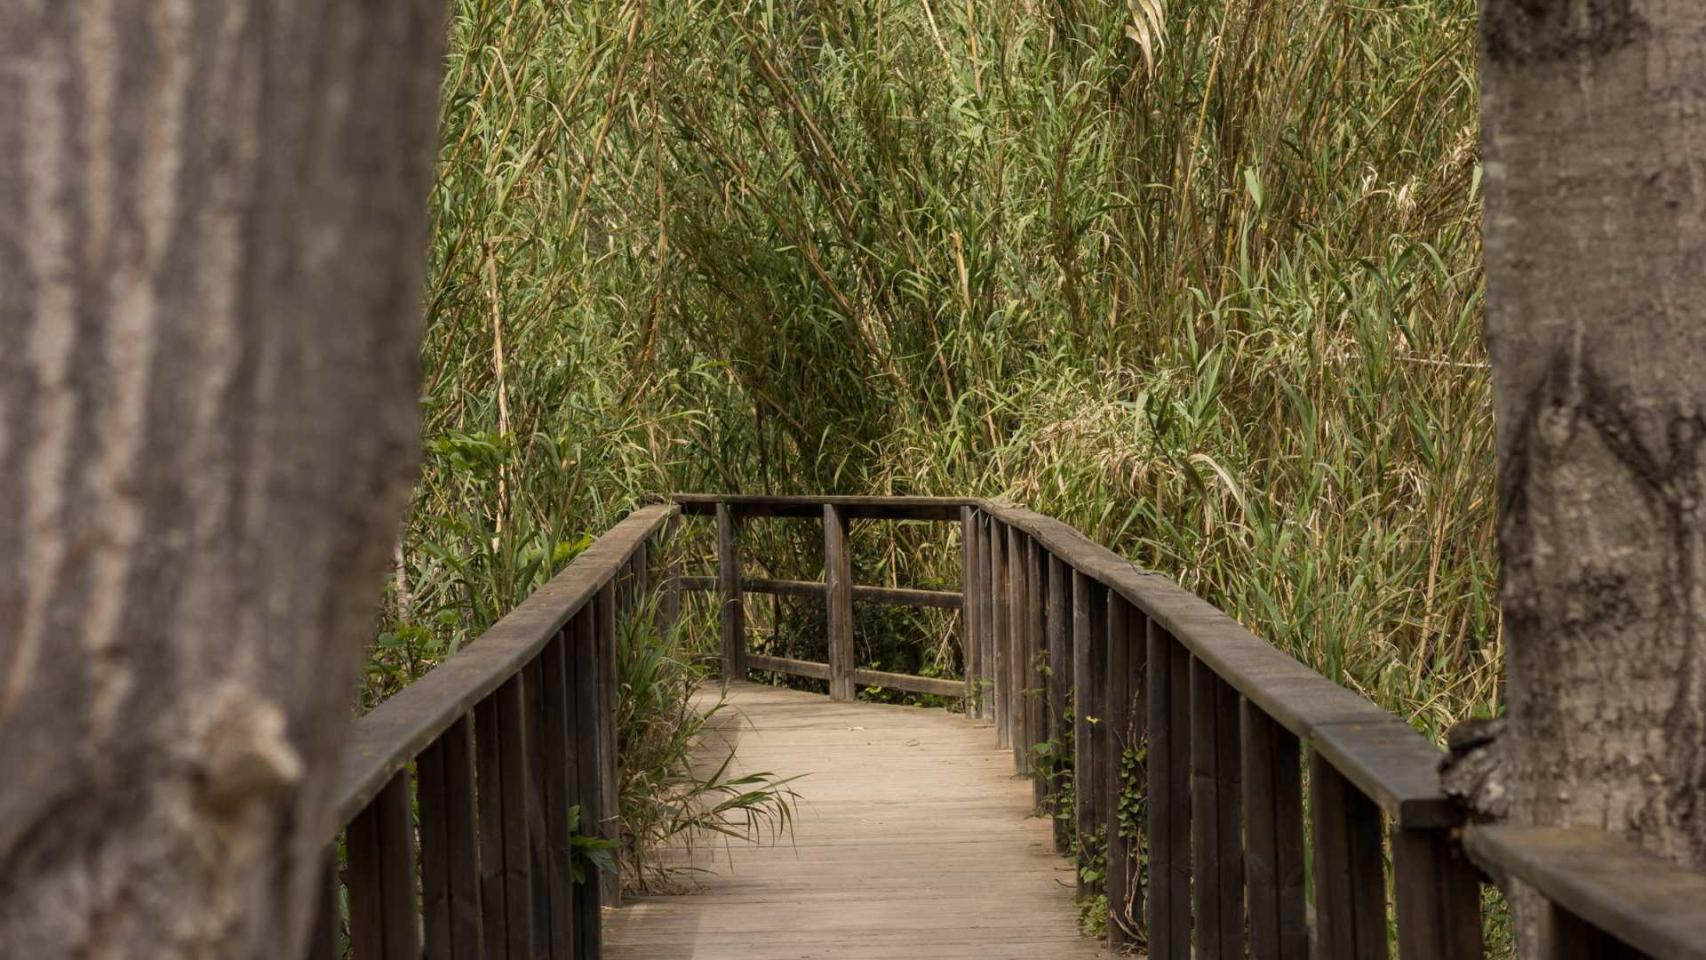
(1595,159)
(212,235)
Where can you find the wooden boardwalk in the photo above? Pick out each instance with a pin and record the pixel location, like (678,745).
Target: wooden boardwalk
(913,839)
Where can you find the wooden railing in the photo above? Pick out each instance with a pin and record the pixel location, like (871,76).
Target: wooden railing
(1066,644)
(505,739)
(1063,643)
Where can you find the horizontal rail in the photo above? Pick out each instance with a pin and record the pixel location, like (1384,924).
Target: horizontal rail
(856,507)
(798,668)
(867,678)
(1647,902)
(395,732)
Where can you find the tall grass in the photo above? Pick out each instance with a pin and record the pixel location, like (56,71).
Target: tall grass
(1201,278)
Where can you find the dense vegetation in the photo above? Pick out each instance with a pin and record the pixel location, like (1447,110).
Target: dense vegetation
(1201,278)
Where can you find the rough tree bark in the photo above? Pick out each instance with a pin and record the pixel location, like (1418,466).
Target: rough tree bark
(213,226)
(1594,115)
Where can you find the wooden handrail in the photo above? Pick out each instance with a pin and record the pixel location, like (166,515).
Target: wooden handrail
(1064,643)
(505,737)
(1598,886)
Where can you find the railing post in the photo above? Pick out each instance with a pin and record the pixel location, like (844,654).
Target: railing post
(1036,692)
(450,854)
(608,824)
(1086,713)
(1216,847)
(1059,683)
(1116,701)
(1273,830)
(838,595)
(728,588)
(1018,670)
(1438,897)
(505,871)
(1169,797)
(986,614)
(382,877)
(1349,867)
(582,679)
(970,572)
(998,632)
(669,605)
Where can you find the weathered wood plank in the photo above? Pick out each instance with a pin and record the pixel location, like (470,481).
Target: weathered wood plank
(838,579)
(732,612)
(1018,661)
(1085,714)
(1036,684)
(1059,680)
(956,870)
(969,574)
(1217,869)
(1273,838)
(582,679)
(1116,706)
(450,855)
(557,769)
(382,877)
(1349,867)
(1169,801)
(609,821)
(1438,894)
(911,684)
(797,668)
(1000,629)
(1645,901)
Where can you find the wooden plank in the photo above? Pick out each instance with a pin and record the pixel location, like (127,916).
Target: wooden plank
(911,840)
(517,854)
(1349,867)
(697,583)
(1084,714)
(1438,894)
(488,772)
(1116,706)
(732,616)
(1036,684)
(1217,868)
(1273,838)
(1393,765)
(396,731)
(838,597)
(1018,665)
(609,822)
(559,773)
(323,943)
(581,678)
(797,668)
(536,801)
(812,589)
(382,877)
(911,684)
(450,855)
(854,507)
(1643,900)
(1059,619)
(669,602)
(986,625)
(969,573)
(1169,808)
(1001,651)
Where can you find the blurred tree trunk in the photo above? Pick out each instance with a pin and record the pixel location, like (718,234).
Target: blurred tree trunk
(1595,159)
(213,223)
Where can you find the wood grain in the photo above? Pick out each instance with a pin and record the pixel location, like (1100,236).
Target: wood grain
(912,840)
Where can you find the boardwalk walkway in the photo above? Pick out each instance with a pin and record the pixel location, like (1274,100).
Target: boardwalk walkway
(913,840)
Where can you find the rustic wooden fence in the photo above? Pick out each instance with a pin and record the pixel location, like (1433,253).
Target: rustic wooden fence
(1283,815)
(504,738)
